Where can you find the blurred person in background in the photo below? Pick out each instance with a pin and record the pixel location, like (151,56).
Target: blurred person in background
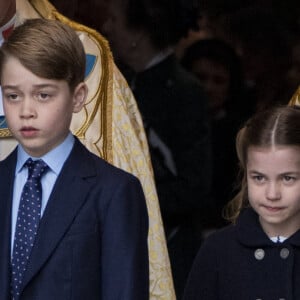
(261,42)
(218,69)
(143,34)
(206,29)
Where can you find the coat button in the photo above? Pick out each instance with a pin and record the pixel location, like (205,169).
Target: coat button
(259,254)
(284,253)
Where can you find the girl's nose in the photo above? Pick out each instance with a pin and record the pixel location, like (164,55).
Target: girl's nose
(273,191)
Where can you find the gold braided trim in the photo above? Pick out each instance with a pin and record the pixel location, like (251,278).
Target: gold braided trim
(4,132)
(295,100)
(43,8)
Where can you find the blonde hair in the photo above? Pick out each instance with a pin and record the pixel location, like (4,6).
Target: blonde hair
(47,48)
(278,126)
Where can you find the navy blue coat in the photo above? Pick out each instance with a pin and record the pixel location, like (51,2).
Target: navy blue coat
(240,262)
(92,239)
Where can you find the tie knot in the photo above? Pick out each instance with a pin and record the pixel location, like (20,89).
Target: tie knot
(36,168)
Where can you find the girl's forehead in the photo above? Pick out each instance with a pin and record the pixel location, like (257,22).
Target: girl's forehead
(274,148)
(281,158)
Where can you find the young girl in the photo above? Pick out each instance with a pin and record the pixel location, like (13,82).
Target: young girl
(258,256)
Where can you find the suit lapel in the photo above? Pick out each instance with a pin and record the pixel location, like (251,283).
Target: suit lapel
(7,171)
(68,196)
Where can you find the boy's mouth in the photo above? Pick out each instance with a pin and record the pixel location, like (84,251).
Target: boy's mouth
(28,131)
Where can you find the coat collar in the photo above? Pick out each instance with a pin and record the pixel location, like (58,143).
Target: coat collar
(251,234)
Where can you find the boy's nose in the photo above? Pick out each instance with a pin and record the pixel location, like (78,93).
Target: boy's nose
(27,109)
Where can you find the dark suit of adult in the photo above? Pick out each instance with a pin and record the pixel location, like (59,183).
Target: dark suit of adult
(92,238)
(174,107)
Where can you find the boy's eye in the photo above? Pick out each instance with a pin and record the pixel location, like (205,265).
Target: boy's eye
(43,96)
(12,97)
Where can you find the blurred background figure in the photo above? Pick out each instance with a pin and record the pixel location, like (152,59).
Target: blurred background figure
(143,34)
(218,69)
(204,30)
(259,32)
(261,42)
(91,13)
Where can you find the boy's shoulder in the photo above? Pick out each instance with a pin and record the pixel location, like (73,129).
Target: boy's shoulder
(86,161)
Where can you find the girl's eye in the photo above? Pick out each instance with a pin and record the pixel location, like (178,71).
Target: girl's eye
(258,178)
(288,179)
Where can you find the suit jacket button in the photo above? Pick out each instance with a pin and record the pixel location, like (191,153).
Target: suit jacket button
(259,254)
(284,253)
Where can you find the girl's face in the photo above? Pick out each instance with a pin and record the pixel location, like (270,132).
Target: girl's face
(273,176)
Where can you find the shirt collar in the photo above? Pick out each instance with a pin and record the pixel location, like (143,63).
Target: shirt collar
(55,158)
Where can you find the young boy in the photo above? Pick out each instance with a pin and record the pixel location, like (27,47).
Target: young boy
(87,237)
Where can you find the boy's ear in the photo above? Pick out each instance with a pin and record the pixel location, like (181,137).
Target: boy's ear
(79,96)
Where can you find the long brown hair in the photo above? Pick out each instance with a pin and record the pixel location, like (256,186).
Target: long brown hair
(273,127)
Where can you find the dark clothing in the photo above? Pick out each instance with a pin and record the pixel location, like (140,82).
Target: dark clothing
(173,106)
(175,116)
(225,168)
(241,262)
(92,238)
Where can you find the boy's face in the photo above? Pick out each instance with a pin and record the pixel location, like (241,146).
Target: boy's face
(273,176)
(38,110)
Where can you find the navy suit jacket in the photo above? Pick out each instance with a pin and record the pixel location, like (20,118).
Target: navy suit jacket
(92,238)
